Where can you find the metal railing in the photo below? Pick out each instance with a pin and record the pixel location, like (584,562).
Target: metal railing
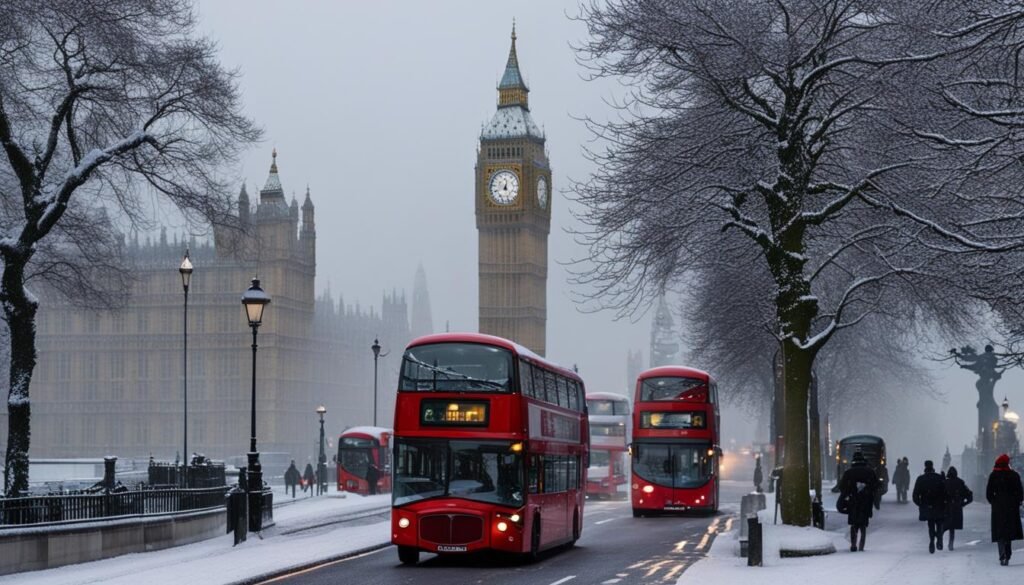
(76,507)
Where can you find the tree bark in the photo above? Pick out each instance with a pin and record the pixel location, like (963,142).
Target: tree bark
(20,313)
(795,496)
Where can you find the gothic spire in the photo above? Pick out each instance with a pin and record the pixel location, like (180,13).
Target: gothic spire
(273,184)
(512,90)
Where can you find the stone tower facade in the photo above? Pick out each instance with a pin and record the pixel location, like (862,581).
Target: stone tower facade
(513,216)
(422,318)
(664,344)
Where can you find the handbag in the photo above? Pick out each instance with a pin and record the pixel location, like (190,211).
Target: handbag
(843,504)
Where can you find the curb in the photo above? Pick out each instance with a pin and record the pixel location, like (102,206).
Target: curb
(359,515)
(310,565)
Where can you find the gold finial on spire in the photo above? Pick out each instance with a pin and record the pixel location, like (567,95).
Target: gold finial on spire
(273,164)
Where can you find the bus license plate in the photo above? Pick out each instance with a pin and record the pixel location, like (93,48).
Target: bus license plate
(445,548)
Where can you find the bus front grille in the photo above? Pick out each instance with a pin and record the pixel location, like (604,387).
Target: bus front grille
(451,528)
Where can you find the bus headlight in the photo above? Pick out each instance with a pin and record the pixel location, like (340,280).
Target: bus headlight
(648,489)
(514,517)
(403,522)
(502,527)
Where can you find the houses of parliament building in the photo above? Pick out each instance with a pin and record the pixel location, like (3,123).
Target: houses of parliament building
(111,382)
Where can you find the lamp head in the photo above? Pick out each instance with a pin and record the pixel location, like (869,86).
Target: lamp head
(186,271)
(376,348)
(254,300)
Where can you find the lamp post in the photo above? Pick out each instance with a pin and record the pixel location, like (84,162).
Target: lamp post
(321,466)
(254,300)
(376,354)
(186,277)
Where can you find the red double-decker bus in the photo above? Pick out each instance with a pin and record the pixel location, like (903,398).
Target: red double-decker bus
(364,458)
(675,448)
(610,426)
(490,449)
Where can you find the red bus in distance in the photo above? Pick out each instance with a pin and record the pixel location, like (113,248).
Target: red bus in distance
(364,454)
(610,431)
(490,449)
(675,445)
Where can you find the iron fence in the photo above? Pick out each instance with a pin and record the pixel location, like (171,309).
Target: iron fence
(65,508)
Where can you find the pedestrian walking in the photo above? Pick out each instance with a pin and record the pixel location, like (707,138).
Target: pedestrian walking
(930,497)
(291,478)
(758,474)
(1005,494)
(857,496)
(958,495)
(901,479)
(372,474)
(309,478)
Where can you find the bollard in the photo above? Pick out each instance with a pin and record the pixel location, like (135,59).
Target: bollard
(818,514)
(755,542)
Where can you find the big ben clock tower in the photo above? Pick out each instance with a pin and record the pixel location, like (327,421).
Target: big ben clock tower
(513,216)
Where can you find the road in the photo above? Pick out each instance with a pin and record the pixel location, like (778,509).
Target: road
(614,549)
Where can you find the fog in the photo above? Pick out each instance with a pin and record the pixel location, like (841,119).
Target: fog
(377,107)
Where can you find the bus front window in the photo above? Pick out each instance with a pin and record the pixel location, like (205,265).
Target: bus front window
(454,367)
(678,466)
(485,471)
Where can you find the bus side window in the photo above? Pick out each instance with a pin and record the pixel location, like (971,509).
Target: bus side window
(563,392)
(538,384)
(535,474)
(714,393)
(551,385)
(574,402)
(525,378)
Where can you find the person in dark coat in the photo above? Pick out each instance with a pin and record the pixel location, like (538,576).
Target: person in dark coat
(857,487)
(930,497)
(372,475)
(758,474)
(1005,494)
(291,478)
(309,478)
(958,495)
(901,479)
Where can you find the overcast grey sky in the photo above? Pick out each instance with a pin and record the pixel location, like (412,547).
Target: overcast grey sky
(378,105)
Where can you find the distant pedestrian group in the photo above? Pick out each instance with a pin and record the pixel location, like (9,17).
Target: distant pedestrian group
(901,479)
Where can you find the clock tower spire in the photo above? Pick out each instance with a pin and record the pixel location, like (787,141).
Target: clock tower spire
(513,216)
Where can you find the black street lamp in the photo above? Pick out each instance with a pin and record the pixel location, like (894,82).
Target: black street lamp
(186,276)
(376,354)
(254,300)
(321,466)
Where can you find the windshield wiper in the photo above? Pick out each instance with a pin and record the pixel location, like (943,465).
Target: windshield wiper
(450,372)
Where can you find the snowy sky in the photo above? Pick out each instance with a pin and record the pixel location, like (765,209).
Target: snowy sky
(378,107)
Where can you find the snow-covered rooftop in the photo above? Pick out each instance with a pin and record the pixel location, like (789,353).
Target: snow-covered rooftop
(511,122)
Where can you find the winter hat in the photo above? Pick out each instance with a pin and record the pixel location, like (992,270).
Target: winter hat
(951,472)
(1003,461)
(929,466)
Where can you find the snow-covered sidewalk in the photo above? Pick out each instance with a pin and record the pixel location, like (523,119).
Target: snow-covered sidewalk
(896,553)
(306,531)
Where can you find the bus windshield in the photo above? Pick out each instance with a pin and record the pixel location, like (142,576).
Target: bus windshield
(689,389)
(596,406)
(455,367)
(484,471)
(673,465)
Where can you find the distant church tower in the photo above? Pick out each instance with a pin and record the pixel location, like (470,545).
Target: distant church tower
(422,319)
(664,347)
(513,216)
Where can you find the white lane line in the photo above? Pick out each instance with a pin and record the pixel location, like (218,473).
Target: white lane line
(564,579)
(604,521)
(610,581)
(680,546)
(671,574)
(973,543)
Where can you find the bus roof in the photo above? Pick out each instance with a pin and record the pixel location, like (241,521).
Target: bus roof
(607,396)
(374,432)
(674,372)
(862,439)
(496,341)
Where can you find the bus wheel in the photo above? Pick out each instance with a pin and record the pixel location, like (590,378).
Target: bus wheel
(575,528)
(637,513)
(408,555)
(535,539)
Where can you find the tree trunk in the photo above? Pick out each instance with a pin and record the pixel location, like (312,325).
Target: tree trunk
(20,313)
(795,494)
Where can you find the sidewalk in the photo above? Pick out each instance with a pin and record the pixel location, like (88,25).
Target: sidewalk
(896,553)
(306,531)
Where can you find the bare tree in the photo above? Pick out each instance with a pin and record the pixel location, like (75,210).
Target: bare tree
(101,103)
(808,128)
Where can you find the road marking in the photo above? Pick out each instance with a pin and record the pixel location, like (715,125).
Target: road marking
(680,546)
(610,581)
(604,521)
(655,567)
(973,543)
(564,579)
(640,564)
(323,565)
(668,576)
(704,541)
(728,524)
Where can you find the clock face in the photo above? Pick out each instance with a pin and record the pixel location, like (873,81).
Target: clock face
(542,192)
(504,187)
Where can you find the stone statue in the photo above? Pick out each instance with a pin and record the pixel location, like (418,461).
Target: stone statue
(989,370)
